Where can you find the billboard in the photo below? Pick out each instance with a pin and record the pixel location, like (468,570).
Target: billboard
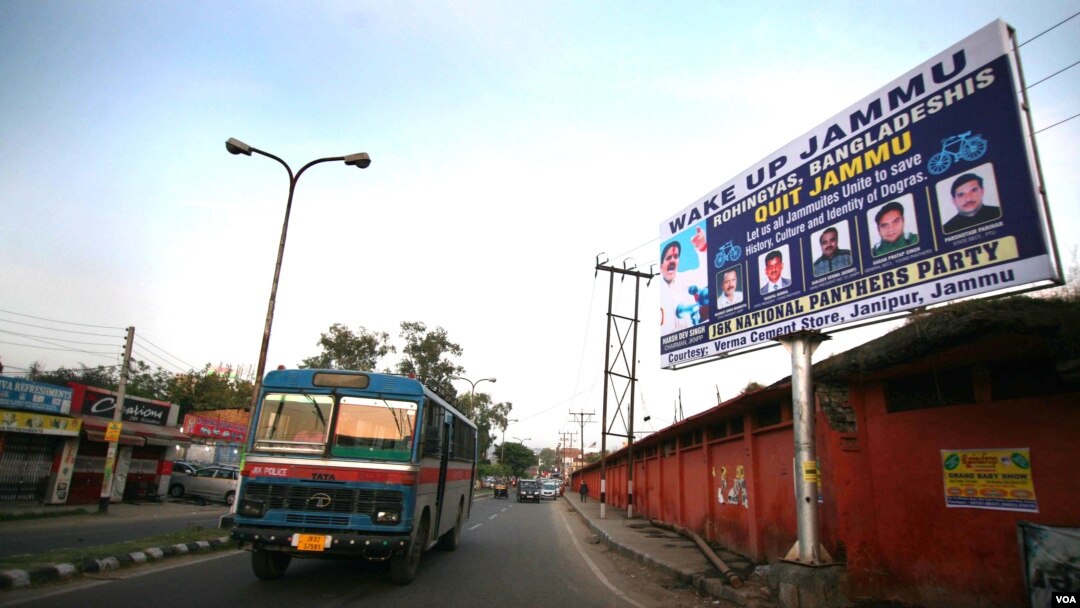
(921,193)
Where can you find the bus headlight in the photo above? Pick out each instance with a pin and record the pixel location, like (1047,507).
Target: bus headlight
(252,508)
(387,517)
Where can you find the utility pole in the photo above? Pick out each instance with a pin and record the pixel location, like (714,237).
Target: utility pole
(565,439)
(581,421)
(118,412)
(627,373)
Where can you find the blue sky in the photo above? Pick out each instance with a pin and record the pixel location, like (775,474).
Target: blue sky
(511,144)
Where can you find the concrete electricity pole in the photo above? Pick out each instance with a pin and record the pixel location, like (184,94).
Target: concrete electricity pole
(118,412)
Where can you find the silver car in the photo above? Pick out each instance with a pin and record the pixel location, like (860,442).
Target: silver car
(215,482)
(549,490)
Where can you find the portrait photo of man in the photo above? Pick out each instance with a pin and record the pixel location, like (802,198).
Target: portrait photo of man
(890,223)
(684,288)
(833,256)
(968,198)
(774,272)
(730,281)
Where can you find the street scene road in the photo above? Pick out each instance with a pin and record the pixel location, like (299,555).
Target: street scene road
(512,554)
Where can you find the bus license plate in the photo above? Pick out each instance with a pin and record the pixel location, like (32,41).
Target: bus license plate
(311,542)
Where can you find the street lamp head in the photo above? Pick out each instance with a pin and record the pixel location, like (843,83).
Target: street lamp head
(361,160)
(235,146)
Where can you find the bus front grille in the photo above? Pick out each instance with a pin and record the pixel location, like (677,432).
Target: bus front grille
(324,500)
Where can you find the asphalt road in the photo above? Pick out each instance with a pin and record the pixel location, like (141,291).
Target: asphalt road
(511,554)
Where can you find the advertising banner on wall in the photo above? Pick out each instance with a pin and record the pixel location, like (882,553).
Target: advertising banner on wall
(989,479)
(921,193)
(197,426)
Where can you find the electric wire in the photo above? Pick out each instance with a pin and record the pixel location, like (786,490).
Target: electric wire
(58,321)
(69,331)
(164,352)
(1052,27)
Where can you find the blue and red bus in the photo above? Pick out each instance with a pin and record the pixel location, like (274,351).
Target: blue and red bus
(354,465)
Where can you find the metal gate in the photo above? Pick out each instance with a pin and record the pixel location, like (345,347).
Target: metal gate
(25,464)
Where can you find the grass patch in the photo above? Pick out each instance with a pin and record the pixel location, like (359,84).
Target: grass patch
(78,555)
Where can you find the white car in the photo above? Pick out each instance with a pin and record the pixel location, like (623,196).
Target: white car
(549,490)
(209,483)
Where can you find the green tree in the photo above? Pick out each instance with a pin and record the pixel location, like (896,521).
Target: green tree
(427,354)
(146,381)
(209,390)
(547,459)
(518,457)
(106,377)
(343,348)
(489,419)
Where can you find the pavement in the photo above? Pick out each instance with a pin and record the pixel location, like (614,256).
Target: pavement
(675,555)
(636,538)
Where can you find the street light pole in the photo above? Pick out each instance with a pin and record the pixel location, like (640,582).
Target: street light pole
(235,146)
(472,391)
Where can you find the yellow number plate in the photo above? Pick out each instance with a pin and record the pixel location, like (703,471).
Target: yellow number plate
(311,542)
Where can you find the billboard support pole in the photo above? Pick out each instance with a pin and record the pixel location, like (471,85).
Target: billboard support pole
(802,345)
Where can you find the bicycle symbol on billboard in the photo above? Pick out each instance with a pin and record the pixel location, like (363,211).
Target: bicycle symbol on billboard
(728,252)
(964,146)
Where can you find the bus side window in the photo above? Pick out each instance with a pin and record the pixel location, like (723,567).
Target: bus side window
(433,417)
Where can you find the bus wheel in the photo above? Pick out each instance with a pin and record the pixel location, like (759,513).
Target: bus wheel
(452,538)
(403,567)
(269,565)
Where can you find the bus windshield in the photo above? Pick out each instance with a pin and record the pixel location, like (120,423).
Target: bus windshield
(294,422)
(374,428)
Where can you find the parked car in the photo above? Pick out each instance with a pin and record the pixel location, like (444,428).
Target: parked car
(528,489)
(548,490)
(215,482)
(185,467)
(501,489)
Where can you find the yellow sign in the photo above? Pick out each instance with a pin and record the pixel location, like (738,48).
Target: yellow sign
(41,424)
(809,472)
(989,479)
(113,432)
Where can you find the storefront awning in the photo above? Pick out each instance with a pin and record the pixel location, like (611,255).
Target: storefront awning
(135,433)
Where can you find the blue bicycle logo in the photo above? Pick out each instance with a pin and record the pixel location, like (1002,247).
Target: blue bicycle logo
(964,146)
(728,252)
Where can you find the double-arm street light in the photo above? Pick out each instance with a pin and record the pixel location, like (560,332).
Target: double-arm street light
(235,146)
(472,391)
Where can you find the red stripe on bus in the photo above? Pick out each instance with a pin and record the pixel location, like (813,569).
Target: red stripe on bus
(330,474)
(431,474)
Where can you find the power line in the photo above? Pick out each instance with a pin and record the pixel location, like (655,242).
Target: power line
(47,338)
(165,352)
(1048,29)
(19,314)
(69,331)
(73,350)
(156,360)
(1056,124)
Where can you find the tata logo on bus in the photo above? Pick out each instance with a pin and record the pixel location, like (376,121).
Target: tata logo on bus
(320,500)
(323,476)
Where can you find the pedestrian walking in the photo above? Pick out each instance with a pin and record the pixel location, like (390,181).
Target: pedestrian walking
(584,492)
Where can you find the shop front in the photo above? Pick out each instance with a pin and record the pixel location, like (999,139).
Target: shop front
(37,441)
(147,438)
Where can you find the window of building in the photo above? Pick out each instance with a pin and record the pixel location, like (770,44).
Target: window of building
(933,389)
